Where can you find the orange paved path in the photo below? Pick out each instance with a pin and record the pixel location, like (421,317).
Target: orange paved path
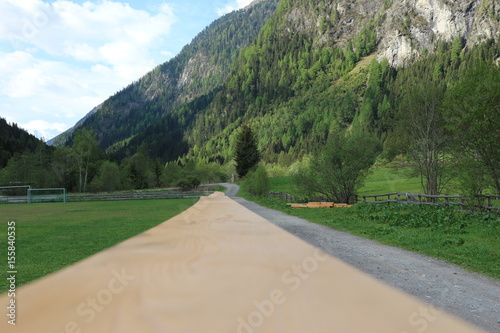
(220,268)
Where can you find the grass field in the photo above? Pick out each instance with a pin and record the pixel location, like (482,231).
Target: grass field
(380,181)
(388,180)
(52,236)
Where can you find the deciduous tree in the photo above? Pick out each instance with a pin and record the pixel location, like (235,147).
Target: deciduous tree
(421,130)
(86,151)
(472,108)
(339,170)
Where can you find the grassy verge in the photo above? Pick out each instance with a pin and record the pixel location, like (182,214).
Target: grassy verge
(469,241)
(380,181)
(52,236)
(389,180)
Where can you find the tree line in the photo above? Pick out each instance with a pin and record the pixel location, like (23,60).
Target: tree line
(84,167)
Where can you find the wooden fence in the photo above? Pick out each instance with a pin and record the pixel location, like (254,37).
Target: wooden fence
(292,198)
(117,196)
(136,196)
(286,197)
(488,202)
(483,202)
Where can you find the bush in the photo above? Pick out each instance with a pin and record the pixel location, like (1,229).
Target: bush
(188,183)
(257,182)
(340,168)
(221,176)
(194,181)
(107,179)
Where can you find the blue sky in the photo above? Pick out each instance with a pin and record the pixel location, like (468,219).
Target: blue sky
(59,59)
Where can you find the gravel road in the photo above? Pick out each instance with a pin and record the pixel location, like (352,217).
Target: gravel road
(469,296)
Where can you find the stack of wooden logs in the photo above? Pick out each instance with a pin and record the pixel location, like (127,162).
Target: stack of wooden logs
(319,205)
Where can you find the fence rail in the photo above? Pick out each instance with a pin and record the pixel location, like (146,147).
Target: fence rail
(118,196)
(488,202)
(135,196)
(478,201)
(285,196)
(292,198)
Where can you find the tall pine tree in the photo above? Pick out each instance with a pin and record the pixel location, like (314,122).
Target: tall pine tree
(247,153)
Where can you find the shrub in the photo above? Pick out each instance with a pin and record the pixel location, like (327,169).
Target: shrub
(188,183)
(221,176)
(193,181)
(340,168)
(257,182)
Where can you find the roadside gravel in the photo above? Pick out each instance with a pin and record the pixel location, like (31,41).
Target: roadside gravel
(469,296)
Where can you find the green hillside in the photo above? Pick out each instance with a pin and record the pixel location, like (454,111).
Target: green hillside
(200,68)
(297,84)
(15,140)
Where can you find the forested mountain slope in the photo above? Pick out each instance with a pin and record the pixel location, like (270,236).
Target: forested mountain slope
(314,70)
(15,140)
(200,67)
(316,67)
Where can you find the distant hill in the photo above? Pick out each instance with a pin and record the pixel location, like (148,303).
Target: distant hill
(15,140)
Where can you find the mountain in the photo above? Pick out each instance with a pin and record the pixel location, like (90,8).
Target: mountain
(63,137)
(320,67)
(296,73)
(200,67)
(15,140)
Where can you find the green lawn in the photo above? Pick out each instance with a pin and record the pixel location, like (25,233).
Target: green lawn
(389,180)
(52,236)
(380,181)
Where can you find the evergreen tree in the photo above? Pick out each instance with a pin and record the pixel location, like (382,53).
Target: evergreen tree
(247,152)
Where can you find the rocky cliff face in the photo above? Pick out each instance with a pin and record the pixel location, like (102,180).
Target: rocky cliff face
(412,26)
(405,28)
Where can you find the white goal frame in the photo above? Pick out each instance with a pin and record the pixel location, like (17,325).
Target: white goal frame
(42,195)
(14,198)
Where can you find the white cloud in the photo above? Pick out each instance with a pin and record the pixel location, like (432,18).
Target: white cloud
(233,5)
(64,58)
(167,54)
(44,129)
(108,32)
(24,76)
(32,88)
